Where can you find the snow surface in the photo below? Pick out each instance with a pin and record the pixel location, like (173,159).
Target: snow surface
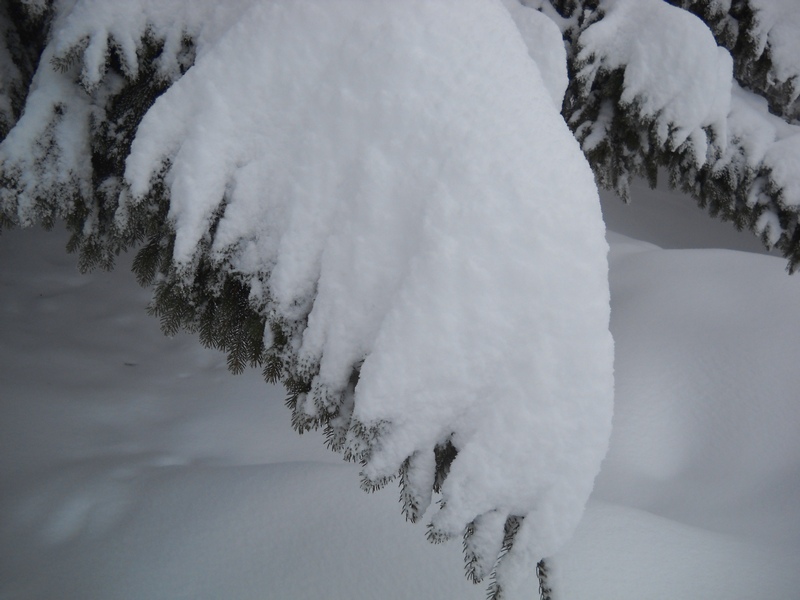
(135,466)
(544,41)
(676,76)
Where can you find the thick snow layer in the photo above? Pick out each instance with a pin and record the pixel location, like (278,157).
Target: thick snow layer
(23,153)
(135,466)
(674,72)
(404,174)
(543,39)
(45,154)
(776,25)
(763,141)
(92,26)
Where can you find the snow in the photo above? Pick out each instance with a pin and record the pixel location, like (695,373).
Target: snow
(59,114)
(674,72)
(775,29)
(401,177)
(621,553)
(675,76)
(192,485)
(742,434)
(134,465)
(415,201)
(764,141)
(543,40)
(93,26)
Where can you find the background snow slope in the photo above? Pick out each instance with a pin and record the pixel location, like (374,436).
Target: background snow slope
(135,466)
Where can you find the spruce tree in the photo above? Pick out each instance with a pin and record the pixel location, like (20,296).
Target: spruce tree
(743,175)
(78,79)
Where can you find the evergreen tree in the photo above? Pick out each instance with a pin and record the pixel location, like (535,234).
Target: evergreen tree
(704,90)
(731,149)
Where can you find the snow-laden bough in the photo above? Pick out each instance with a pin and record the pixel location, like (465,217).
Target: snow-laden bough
(394,186)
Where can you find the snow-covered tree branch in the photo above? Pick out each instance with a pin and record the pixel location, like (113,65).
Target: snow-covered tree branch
(385,206)
(651,89)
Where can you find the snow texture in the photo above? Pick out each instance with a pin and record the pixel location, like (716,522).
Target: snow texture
(403,176)
(543,38)
(676,77)
(765,141)
(742,432)
(776,23)
(674,72)
(90,27)
(45,154)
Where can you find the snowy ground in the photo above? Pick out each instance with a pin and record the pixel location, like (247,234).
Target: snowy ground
(134,466)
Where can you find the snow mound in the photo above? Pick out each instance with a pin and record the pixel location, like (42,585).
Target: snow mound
(543,39)
(621,553)
(706,399)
